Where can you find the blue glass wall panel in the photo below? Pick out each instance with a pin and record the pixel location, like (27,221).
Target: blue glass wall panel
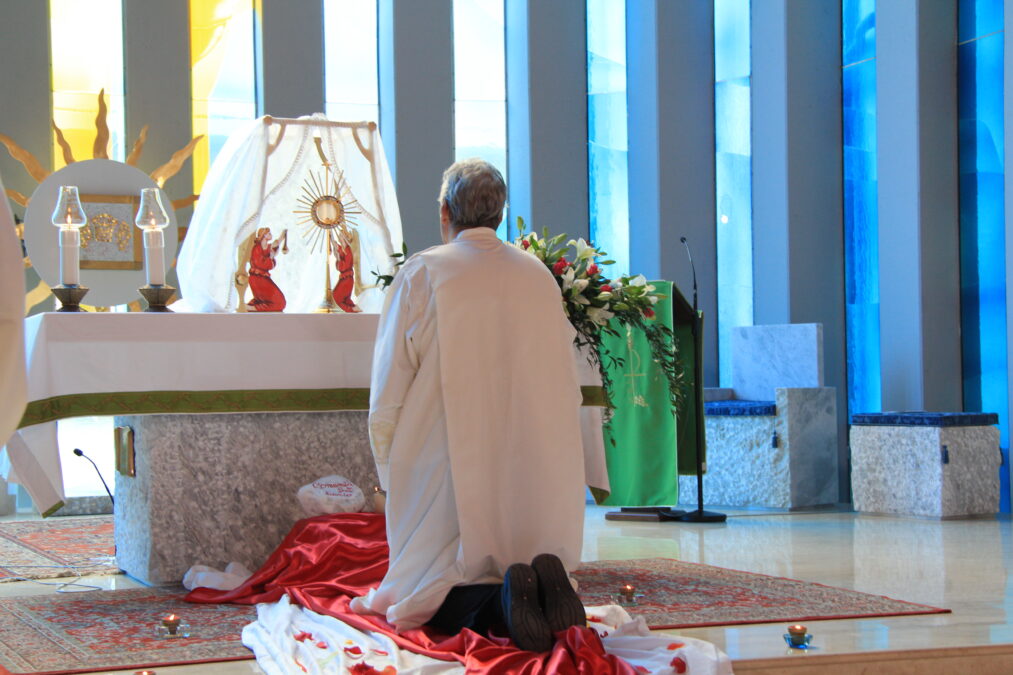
(861,222)
(733,174)
(608,174)
(982,222)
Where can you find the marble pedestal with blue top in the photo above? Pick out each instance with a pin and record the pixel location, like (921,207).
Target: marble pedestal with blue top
(937,465)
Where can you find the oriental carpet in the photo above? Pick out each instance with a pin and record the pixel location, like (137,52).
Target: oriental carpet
(56,547)
(105,630)
(675,594)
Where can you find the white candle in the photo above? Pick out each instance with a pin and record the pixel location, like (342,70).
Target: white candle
(70,254)
(154,258)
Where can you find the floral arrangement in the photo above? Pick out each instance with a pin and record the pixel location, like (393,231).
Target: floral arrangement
(592,301)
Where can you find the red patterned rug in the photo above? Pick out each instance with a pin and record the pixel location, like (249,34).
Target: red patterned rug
(56,547)
(111,630)
(676,594)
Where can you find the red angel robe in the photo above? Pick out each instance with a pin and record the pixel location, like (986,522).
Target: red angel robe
(267,297)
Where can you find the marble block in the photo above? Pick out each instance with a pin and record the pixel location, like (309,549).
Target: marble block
(767,357)
(212,489)
(783,457)
(939,472)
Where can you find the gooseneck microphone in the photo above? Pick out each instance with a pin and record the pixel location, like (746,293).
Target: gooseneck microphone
(80,453)
(692,267)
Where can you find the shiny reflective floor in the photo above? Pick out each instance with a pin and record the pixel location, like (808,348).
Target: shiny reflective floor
(962,565)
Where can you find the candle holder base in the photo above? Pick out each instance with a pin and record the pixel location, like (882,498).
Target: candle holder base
(799,641)
(70,297)
(157,297)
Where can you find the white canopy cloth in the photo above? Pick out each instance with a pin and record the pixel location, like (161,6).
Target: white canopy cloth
(12,312)
(482,454)
(99,361)
(258,180)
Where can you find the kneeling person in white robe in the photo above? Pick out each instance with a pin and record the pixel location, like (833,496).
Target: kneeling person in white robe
(474,425)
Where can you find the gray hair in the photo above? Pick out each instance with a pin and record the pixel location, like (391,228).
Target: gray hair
(474,192)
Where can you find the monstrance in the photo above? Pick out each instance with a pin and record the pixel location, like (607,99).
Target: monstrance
(328,206)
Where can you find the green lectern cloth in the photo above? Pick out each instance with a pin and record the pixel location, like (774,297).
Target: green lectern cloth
(640,446)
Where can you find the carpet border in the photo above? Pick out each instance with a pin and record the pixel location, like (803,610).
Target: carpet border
(926,609)
(142,666)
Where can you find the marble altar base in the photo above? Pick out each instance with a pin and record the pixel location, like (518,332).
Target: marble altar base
(901,470)
(212,489)
(746,468)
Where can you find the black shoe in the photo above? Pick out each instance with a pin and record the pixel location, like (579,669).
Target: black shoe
(524,619)
(560,604)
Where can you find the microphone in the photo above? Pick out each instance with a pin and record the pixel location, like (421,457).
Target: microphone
(80,453)
(692,267)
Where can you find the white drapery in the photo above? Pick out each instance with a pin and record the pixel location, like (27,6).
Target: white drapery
(257,180)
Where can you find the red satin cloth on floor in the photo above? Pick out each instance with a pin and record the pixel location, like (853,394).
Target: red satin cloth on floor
(326,561)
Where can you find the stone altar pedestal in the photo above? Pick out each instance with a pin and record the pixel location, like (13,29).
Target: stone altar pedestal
(776,454)
(211,489)
(939,465)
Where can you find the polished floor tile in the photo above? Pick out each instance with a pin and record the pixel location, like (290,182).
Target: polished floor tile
(962,565)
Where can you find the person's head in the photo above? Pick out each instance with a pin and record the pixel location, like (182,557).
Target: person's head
(263,235)
(473,194)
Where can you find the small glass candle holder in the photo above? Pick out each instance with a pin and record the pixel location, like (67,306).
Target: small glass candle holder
(797,637)
(173,626)
(627,595)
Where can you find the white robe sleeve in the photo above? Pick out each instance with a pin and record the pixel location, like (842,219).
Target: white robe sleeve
(395,359)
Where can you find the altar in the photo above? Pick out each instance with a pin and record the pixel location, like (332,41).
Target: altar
(232,413)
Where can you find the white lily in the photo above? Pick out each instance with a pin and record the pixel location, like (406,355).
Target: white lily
(653,299)
(579,285)
(649,288)
(567,277)
(584,250)
(639,280)
(599,315)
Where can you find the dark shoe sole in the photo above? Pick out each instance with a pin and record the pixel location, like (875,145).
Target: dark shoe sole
(525,621)
(560,604)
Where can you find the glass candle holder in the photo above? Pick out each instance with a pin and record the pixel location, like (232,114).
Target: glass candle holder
(173,626)
(152,219)
(69,216)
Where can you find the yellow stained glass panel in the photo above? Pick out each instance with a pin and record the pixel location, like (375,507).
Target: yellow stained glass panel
(223,73)
(87,56)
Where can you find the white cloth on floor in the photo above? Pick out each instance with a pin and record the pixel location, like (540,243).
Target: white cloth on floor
(288,639)
(202,576)
(474,423)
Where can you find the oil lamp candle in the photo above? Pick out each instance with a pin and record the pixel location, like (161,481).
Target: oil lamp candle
(152,219)
(797,635)
(626,591)
(171,624)
(69,216)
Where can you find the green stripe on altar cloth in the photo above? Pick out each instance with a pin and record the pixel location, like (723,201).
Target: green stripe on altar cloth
(642,440)
(221,401)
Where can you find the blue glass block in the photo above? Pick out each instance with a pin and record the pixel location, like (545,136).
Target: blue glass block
(731,40)
(861,230)
(608,173)
(981,140)
(858,30)
(976,18)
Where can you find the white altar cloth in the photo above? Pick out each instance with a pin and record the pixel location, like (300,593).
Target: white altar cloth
(92,358)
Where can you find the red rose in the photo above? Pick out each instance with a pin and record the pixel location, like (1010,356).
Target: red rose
(679,664)
(592,269)
(605,288)
(525,244)
(649,313)
(560,266)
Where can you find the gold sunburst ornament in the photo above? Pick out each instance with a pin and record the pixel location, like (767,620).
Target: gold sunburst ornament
(329,211)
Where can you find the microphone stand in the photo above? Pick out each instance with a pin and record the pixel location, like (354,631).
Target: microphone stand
(699,515)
